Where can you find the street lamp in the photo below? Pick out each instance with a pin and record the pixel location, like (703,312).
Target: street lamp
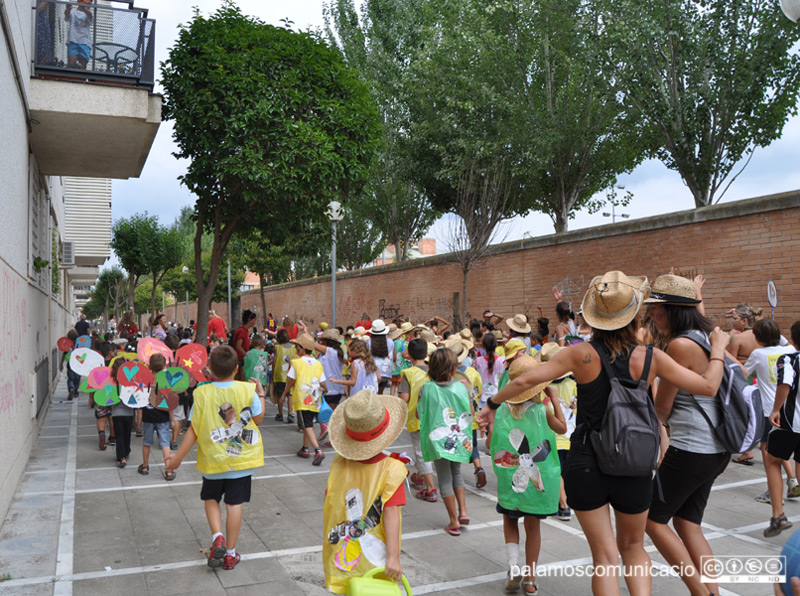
(791,8)
(334,213)
(185,271)
(613,215)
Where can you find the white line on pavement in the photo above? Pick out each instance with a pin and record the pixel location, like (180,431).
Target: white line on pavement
(740,483)
(64,557)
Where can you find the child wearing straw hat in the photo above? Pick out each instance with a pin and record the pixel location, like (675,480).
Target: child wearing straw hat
(361,514)
(528,472)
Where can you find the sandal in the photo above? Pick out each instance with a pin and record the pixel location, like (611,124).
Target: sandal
(527,583)
(777,525)
(427,495)
(745,462)
(451,531)
(463,520)
(122,463)
(143,469)
(480,478)
(169,475)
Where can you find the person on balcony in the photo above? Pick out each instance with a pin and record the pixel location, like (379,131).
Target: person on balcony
(79,41)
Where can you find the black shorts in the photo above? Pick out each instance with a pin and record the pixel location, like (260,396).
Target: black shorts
(305,418)
(767,427)
(517,514)
(784,444)
(562,459)
(278,388)
(333,399)
(236,490)
(588,488)
(686,479)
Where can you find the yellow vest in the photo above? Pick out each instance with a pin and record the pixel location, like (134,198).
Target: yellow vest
(475,393)
(567,392)
(355,540)
(280,366)
(226,444)
(416,379)
(306,391)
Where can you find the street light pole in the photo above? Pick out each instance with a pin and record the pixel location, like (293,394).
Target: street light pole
(335,215)
(613,214)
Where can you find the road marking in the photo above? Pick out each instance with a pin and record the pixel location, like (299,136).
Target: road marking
(740,483)
(64,557)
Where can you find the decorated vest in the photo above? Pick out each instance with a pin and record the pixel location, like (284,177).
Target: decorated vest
(355,541)
(227,437)
(255,366)
(307,390)
(475,389)
(283,358)
(400,363)
(446,422)
(504,379)
(526,461)
(567,392)
(416,379)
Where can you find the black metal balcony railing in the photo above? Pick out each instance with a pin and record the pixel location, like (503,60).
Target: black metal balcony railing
(84,40)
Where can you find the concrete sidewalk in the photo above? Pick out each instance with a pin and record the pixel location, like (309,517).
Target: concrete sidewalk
(79,525)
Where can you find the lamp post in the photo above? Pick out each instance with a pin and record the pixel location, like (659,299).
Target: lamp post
(791,8)
(613,215)
(185,271)
(335,215)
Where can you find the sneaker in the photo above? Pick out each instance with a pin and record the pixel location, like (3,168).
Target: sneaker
(102,441)
(323,431)
(327,444)
(792,488)
(70,396)
(764,498)
(289,419)
(513,582)
(231,561)
(431,496)
(303,453)
(278,417)
(173,446)
(417,480)
(564,514)
(481,478)
(112,441)
(318,457)
(217,552)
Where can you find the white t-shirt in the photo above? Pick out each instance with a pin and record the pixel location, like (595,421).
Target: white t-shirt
(763,362)
(291,374)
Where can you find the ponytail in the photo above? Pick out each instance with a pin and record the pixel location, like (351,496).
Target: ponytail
(490,344)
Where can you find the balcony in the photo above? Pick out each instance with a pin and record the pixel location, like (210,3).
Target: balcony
(91,95)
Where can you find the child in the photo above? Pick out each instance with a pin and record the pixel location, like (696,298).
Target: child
(255,362)
(284,353)
(102,414)
(361,515)
(400,345)
(329,346)
(224,423)
(411,381)
(446,433)
(213,342)
(527,468)
(156,421)
(490,367)
(305,380)
(363,370)
(121,420)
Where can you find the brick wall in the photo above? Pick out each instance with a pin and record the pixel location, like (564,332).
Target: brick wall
(738,246)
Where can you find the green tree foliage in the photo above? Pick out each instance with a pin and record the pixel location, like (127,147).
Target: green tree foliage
(109,291)
(713,78)
(130,239)
(165,252)
(274,126)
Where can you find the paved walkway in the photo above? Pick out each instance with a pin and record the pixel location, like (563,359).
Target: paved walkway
(78,525)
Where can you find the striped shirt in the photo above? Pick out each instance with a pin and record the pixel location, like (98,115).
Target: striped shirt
(788,372)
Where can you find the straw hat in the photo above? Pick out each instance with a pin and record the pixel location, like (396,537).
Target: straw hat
(549,350)
(366,424)
(331,334)
(392,328)
(350,333)
(305,341)
(378,328)
(455,344)
(429,336)
(359,332)
(499,335)
(402,330)
(519,367)
(519,324)
(613,300)
(513,346)
(672,289)
(466,334)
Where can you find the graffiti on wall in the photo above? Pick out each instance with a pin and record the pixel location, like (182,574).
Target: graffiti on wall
(387,312)
(572,290)
(14,314)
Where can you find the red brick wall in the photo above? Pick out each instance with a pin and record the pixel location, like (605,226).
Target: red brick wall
(737,246)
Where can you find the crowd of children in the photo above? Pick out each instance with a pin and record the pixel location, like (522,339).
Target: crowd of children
(536,398)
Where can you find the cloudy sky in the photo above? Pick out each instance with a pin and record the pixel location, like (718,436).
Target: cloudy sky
(655,188)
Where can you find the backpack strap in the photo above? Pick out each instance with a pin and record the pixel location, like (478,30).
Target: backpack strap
(610,370)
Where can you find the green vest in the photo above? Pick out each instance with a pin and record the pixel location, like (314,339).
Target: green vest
(255,366)
(504,379)
(525,461)
(446,422)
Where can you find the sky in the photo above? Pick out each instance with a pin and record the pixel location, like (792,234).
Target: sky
(655,189)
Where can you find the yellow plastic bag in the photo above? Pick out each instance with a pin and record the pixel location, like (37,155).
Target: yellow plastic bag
(368,585)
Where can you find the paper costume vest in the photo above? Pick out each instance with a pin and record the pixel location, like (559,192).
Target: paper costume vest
(307,391)
(416,379)
(446,422)
(283,358)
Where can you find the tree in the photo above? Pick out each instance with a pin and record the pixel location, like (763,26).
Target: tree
(130,239)
(109,291)
(714,79)
(274,126)
(164,252)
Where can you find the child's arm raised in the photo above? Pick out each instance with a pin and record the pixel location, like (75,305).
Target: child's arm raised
(391,526)
(173,462)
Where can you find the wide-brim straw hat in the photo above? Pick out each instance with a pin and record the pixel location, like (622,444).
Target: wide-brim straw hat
(613,300)
(306,341)
(359,332)
(331,334)
(499,335)
(460,349)
(378,328)
(519,367)
(366,423)
(466,334)
(519,323)
(549,350)
(429,336)
(672,289)
(402,330)
(513,346)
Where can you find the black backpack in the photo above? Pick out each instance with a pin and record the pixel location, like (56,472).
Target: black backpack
(742,421)
(628,441)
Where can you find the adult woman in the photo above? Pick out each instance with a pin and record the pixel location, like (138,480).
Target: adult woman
(127,327)
(216,325)
(566,323)
(695,458)
(382,350)
(743,342)
(159,327)
(290,327)
(610,306)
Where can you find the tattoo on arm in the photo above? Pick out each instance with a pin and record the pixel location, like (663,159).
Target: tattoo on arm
(587,359)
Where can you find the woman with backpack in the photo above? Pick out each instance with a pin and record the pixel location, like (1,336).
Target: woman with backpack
(613,363)
(695,457)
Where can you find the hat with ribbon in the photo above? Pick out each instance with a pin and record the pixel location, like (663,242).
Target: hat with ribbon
(672,289)
(613,300)
(378,328)
(366,423)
